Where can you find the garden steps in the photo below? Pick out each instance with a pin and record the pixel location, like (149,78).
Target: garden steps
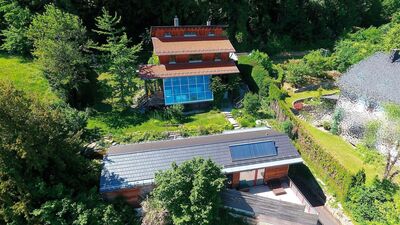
(229,117)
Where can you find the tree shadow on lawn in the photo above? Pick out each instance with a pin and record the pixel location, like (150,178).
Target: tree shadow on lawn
(308,185)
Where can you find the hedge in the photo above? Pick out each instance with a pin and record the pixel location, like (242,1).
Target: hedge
(337,177)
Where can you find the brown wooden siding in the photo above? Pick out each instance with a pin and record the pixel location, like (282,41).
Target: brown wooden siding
(131,195)
(235,179)
(276,172)
(209,57)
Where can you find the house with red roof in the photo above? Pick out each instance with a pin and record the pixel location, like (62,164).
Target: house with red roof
(188,58)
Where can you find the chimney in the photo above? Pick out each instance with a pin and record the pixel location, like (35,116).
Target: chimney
(395,55)
(176,21)
(208,22)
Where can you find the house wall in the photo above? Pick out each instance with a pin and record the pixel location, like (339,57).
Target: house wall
(235,180)
(209,57)
(131,195)
(275,172)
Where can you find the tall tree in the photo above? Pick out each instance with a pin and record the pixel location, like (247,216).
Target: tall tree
(120,58)
(390,138)
(191,191)
(44,178)
(17,20)
(60,41)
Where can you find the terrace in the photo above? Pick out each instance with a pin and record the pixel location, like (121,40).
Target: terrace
(286,191)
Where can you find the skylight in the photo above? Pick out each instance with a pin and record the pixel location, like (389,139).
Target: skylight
(253,150)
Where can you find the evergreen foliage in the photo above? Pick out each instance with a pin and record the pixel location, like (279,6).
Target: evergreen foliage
(17,18)
(119,60)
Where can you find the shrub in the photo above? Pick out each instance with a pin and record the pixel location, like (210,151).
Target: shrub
(274,93)
(326,125)
(296,71)
(251,103)
(298,106)
(287,127)
(337,117)
(174,112)
(247,121)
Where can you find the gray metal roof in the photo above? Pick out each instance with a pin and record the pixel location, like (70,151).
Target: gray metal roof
(271,210)
(375,77)
(126,166)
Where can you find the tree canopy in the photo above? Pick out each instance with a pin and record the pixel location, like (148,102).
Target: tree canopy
(43,174)
(191,191)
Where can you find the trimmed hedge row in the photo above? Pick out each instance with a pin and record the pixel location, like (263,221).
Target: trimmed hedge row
(337,177)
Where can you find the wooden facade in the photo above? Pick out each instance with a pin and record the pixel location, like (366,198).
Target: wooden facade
(133,195)
(184,58)
(275,172)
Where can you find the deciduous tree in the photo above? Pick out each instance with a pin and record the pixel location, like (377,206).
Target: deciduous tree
(191,191)
(60,41)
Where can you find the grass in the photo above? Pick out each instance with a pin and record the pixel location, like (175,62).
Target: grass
(340,149)
(123,125)
(25,75)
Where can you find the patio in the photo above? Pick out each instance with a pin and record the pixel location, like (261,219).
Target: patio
(265,191)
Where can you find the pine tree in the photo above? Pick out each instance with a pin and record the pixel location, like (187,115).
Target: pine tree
(120,60)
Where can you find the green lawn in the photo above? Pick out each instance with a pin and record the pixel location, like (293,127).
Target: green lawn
(344,152)
(25,75)
(121,126)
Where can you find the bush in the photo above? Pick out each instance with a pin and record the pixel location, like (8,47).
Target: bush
(247,120)
(174,112)
(326,125)
(295,72)
(143,136)
(251,103)
(274,93)
(298,106)
(337,118)
(287,127)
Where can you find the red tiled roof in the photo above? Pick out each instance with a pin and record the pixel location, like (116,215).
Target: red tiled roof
(179,70)
(165,46)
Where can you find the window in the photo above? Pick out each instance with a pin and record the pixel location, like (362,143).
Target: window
(179,90)
(217,57)
(167,34)
(172,59)
(211,34)
(190,34)
(195,58)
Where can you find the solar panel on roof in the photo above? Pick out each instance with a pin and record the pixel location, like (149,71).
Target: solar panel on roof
(253,150)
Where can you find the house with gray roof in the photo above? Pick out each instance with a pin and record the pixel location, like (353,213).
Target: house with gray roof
(364,88)
(250,158)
